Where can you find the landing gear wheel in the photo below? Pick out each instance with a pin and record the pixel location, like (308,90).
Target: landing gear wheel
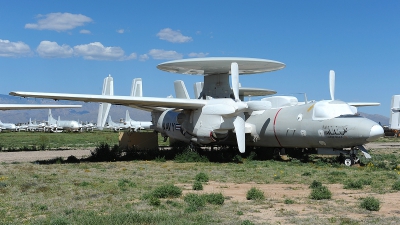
(348,161)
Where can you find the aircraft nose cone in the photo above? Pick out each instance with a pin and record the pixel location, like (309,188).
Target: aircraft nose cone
(375,133)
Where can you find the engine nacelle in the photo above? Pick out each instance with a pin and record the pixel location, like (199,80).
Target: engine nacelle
(166,123)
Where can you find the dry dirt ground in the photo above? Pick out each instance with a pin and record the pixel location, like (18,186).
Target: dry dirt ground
(342,203)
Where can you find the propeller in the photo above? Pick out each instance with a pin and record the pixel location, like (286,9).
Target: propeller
(235,109)
(239,122)
(332,84)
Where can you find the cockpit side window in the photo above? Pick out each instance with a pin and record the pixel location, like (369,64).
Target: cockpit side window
(325,110)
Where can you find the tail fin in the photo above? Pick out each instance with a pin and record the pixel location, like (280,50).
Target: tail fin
(394,122)
(180,90)
(137,90)
(127,117)
(104,108)
(110,122)
(50,118)
(198,89)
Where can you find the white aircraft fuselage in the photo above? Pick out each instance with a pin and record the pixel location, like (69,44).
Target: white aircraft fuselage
(290,127)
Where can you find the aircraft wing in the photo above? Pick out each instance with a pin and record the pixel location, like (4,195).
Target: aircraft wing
(35,106)
(142,102)
(359,104)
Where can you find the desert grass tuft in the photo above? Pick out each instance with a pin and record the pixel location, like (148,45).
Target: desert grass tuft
(255,194)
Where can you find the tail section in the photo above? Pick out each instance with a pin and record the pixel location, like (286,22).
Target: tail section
(198,89)
(180,90)
(394,122)
(127,117)
(137,90)
(50,118)
(104,108)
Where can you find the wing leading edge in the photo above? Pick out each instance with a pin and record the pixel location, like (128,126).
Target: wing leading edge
(34,106)
(142,102)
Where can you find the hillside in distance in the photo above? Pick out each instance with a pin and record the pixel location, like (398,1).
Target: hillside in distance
(88,112)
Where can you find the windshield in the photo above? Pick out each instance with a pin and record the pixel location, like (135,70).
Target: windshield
(325,110)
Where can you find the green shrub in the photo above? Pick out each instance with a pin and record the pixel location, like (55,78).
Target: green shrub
(154,201)
(214,198)
(190,156)
(123,183)
(160,159)
(237,159)
(255,194)
(306,174)
(197,186)
(289,201)
(168,191)
(320,193)
(370,203)
(315,184)
(104,153)
(195,202)
(247,222)
(396,185)
(353,184)
(252,156)
(202,177)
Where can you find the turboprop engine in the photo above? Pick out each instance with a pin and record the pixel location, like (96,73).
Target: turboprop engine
(190,125)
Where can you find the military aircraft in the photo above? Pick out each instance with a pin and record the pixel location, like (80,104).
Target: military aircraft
(116,126)
(277,122)
(11,126)
(7,126)
(59,125)
(136,125)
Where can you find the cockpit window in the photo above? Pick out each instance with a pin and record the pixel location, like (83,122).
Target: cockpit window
(325,110)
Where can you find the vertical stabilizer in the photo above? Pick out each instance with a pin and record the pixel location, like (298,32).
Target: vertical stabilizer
(180,90)
(198,88)
(104,108)
(50,118)
(137,90)
(127,117)
(395,113)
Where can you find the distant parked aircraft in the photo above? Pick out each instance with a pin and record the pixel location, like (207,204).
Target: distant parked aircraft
(7,126)
(136,125)
(116,126)
(56,125)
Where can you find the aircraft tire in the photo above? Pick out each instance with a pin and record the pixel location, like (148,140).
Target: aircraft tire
(348,161)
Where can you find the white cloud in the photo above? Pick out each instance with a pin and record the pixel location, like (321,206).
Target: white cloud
(59,21)
(14,49)
(170,35)
(120,31)
(143,57)
(197,55)
(85,32)
(49,49)
(131,56)
(96,51)
(162,54)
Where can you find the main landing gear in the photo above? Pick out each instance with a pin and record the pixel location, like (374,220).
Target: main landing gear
(351,160)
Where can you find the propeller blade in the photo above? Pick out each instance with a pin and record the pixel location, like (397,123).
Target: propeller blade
(332,84)
(235,79)
(240,132)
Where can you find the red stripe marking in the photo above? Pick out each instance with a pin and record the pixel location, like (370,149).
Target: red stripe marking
(276,115)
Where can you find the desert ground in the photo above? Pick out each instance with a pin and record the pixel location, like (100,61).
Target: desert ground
(343,205)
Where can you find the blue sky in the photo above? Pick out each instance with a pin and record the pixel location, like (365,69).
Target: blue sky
(71,46)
